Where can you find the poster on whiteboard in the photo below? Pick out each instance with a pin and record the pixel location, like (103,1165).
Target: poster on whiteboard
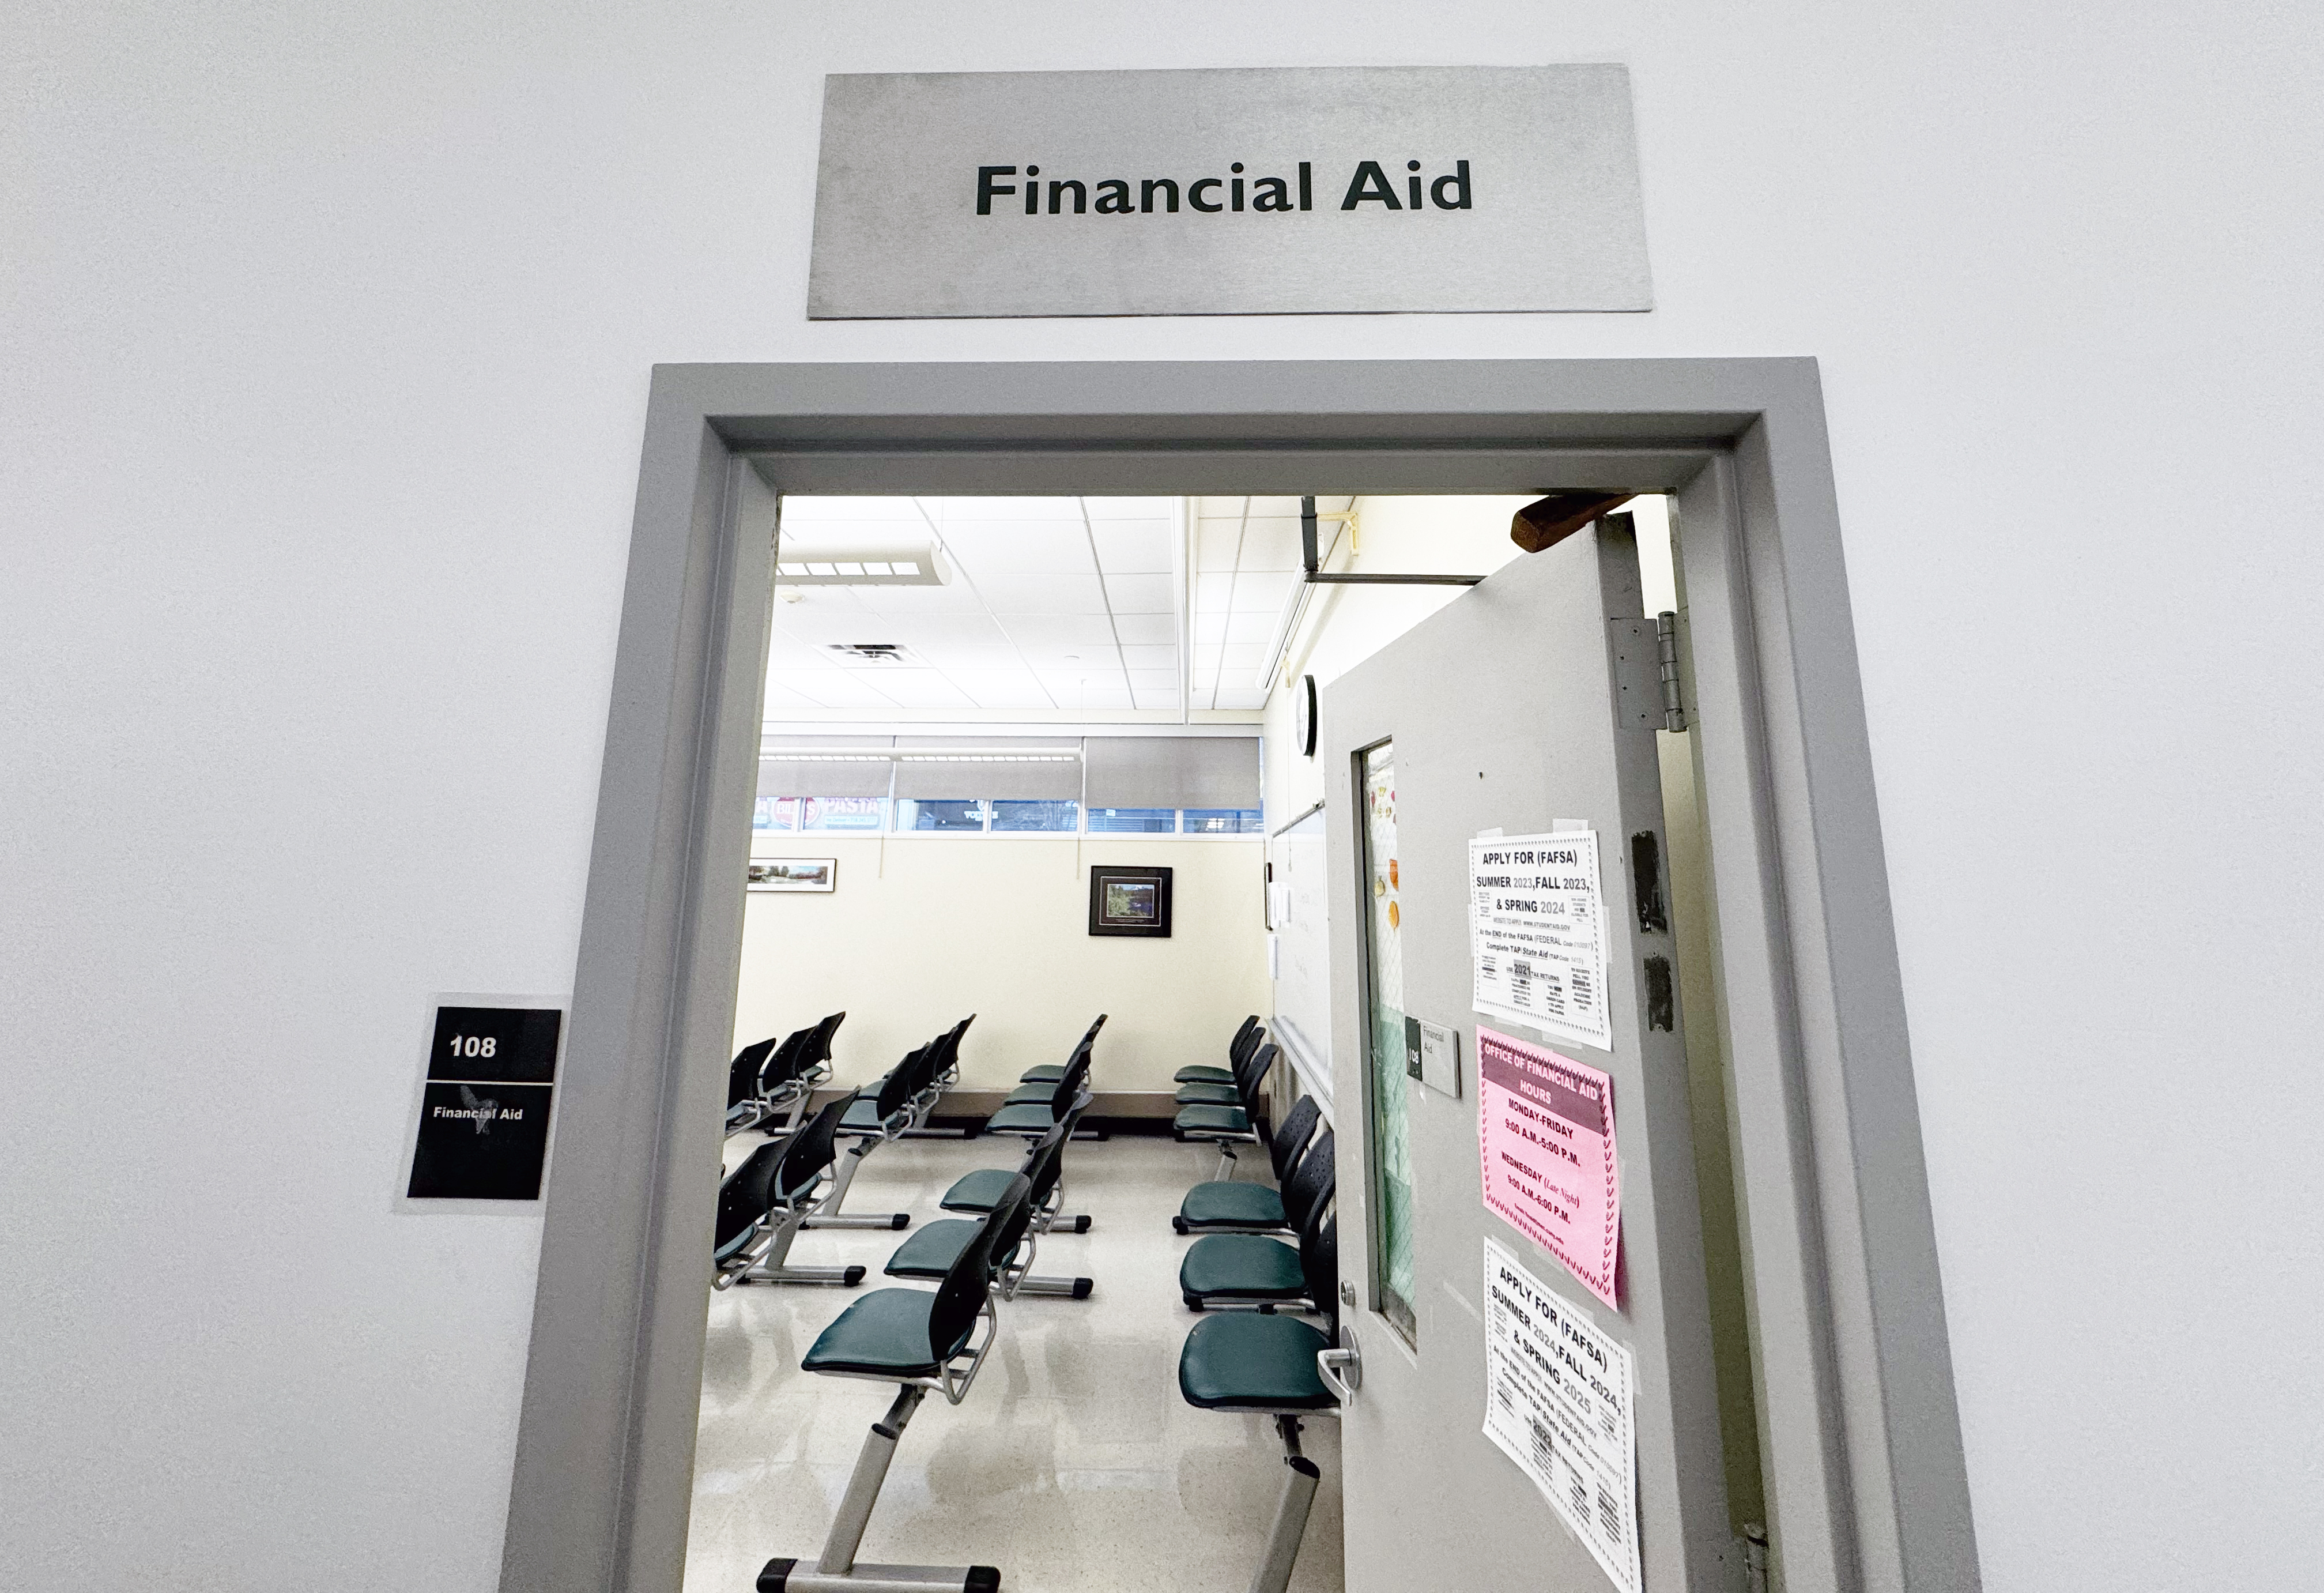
(1560,1400)
(1537,934)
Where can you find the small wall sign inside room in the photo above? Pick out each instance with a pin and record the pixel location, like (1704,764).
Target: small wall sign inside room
(1247,191)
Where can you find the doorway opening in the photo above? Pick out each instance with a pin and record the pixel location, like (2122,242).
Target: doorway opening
(979,711)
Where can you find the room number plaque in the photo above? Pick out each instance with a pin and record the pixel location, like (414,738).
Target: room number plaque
(483,1111)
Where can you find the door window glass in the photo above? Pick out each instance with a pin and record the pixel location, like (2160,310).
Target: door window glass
(1389,1136)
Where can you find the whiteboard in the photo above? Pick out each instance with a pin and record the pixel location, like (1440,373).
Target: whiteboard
(1300,955)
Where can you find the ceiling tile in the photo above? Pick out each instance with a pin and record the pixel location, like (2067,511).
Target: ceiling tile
(1043,594)
(782,697)
(1219,506)
(952,657)
(1146,629)
(1145,681)
(1216,543)
(1071,631)
(1240,697)
(1276,506)
(923,689)
(838,689)
(1135,547)
(1210,629)
(1213,589)
(1263,592)
(959,598)
(1141,594)
(950,511)
(990,549)
(1161,509)
(1150,658)
(1274,544)
(1002,687)
(1251,627)
(1241,658)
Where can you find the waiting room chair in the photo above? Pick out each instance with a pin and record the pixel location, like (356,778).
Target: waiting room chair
(922,1342)
(773,1195)
(1230,1206)
(1282,1367)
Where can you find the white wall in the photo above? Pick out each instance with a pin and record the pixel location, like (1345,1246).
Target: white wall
(327,334)
(923,930)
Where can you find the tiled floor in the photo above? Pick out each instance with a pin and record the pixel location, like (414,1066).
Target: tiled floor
(1072,1465)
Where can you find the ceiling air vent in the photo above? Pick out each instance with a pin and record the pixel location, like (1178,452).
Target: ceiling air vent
(893,654)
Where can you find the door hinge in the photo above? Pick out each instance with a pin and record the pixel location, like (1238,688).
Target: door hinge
(1666,654)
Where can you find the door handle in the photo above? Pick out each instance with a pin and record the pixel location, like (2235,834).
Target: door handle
(1328,1361)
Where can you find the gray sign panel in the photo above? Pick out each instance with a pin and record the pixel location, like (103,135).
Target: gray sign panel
(1258,191)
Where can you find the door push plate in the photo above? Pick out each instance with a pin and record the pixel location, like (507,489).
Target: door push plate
(1432,1054)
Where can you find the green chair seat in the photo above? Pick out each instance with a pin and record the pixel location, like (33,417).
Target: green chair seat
(1211,1120)
(1023,1093)
(1209,1095)
(977,1192)
(1230,1205)
(1046,1073)
(1243,1266)
(1248,1362)
(885,1334)
(1200,1074)
(931,1252)
(1024,1117)
(862,1118)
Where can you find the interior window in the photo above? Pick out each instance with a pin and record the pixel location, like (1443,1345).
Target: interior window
(1222,822)
(1388,1132)
(940,815)
(861,813)
(1133,820)
(1066,816)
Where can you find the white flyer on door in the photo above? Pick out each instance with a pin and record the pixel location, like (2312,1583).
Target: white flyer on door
(1560,1401)
(1537,933)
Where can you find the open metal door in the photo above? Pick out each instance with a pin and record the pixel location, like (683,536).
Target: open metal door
(1526,706)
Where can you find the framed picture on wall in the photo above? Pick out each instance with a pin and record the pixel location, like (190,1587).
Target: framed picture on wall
(1132,902)
(793,873)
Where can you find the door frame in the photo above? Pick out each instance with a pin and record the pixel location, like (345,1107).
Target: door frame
(1861,1438)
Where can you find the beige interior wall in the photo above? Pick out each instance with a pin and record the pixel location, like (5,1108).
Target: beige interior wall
(922,931)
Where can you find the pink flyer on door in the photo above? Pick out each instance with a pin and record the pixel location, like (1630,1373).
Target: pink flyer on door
(1547,1127)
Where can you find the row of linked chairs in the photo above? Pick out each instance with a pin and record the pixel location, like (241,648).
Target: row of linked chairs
(1260,1254)
(921,1340)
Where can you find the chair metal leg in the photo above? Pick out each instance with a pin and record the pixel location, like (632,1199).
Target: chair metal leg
(1066,1288)
(836,1571)
(771,1268)
(828,1217)
(1274,1573)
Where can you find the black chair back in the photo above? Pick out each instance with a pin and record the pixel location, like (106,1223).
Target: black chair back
(1070,1084)
(1250,1075)
(1311,1182)
(960,1298)
(1045,1163)
(1291,1136)
(819,1053)
(745,1196)
(906,1080)
(1319,1263)
(809,1151)
(742,1073)
(788,1058)
(1242,1040)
